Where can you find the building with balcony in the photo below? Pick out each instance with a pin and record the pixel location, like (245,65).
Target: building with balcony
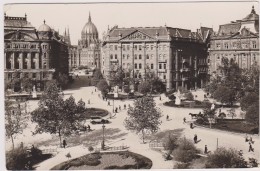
(238,41)
(36,54)
(177,56)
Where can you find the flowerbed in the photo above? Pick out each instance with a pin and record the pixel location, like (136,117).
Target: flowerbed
(110,160)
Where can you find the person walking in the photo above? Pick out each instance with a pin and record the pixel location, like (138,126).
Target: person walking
(116,110)
(119,107)
(167,117)
(125,106)
(88,128)
(250,148)
(195,138)
(191,125)
(206,150)
(184,120)
(108,103)
(160,98)
(64,143)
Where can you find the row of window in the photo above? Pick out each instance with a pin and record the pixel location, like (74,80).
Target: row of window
(237,45)
(148,56)
(139,66)
(244,56)
(26,75)
(21,46)
(137,47)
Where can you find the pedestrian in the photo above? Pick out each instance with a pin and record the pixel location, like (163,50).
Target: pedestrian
(106,98)
(251,140)
(119,107)
(116,110)
(108,103)
(160,98)
(92,92)
(88,101)
(64,143)
(250,148)
(95,90)
(125,106)
(246,138)
(206,150)
(195,138)
(129,105)
(191,125)
(184,120)
(88,128)
(167,117)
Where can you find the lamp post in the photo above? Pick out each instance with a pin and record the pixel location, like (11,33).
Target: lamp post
(103,141)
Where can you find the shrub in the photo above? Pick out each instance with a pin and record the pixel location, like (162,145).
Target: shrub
(90,149)
(181,165)
(16,159)
(170,143)
(186,151)
(189,96)
(225,158)
(202,121)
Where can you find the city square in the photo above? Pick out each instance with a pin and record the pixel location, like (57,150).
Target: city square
(145,97)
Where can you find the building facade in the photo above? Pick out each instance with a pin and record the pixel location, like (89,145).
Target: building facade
(177,56)
(87,52)
(237,40)
(36,54)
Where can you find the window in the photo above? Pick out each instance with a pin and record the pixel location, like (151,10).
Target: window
(160,66)
(218,45)
(151,66)
(135,47)
(140,66)
(128,47)
(128,56)
(111,56)
(135,56)
(140,56)
(135,66)
(164,77)
(115,56)
(151,56)
(151,47)
(115,47)
(44,65)
(111,47)
(226,45)
(254,44)
(147,56)
(140,47)
(147,47)
(34,75)
(140,76)
(164,65)
(123,47)
(123,56)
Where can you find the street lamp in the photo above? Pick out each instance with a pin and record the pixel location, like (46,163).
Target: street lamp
(103,141)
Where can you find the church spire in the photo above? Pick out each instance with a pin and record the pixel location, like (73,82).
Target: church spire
(89,17)
(253,10)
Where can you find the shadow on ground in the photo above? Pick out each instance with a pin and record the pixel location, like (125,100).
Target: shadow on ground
(87,139)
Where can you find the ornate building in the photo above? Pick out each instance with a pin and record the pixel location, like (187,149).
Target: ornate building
(33,54)
(87,53)
(237,40)
(176,56)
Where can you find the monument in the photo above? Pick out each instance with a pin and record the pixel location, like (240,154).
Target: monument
(34,94)
(178,98)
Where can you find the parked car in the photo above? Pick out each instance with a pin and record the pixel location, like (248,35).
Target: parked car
(98,120)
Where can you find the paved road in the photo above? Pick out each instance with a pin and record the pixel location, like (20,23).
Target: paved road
(208,137)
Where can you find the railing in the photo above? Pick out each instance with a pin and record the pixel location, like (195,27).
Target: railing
(156,144)
(50,150)
(185,69)
(115,148)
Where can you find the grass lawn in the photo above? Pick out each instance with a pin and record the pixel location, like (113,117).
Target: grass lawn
(234,126)
(109,160)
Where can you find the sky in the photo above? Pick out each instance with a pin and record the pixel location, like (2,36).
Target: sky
(180,15)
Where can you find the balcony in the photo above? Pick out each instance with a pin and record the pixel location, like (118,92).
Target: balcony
(185,69)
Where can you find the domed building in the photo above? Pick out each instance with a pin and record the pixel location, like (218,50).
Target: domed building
(88,47)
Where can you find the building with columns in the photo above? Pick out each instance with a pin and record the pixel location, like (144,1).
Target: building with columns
(238,40)
(36,54)
(177,56)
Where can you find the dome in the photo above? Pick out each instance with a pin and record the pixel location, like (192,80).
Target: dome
(44,28)
(89,27)
(251,16)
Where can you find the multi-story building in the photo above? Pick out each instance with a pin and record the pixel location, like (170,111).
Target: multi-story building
(32,53)
(237,40)
(176,56)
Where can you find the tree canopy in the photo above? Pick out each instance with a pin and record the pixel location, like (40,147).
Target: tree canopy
(143,116)
(56,115)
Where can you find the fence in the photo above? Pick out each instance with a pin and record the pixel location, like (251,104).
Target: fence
(50,151)
(156,144)
(115,148)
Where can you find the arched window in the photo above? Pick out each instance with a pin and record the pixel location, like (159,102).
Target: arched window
(140,66)
(140,56)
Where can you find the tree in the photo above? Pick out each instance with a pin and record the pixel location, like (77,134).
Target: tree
(248,100)
(97,76)
(14,119)
(252,113)
(144,87)
(232,112)
(117,76)
(62,79)
(189,96)
(143,116)
(55,115)
(225,158)
(103,86)
(225,95)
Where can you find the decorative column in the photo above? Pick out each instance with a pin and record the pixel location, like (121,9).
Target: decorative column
(37,60)
(29,61)
(12,63)
(133,62)
(195,70)
(21,61)
(176,70)
(144,60)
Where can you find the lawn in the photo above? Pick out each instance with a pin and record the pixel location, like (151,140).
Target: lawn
(109,160)
(234,126)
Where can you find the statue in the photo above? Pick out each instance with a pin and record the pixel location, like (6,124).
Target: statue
(34,94)
(178,98)
(212,106)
